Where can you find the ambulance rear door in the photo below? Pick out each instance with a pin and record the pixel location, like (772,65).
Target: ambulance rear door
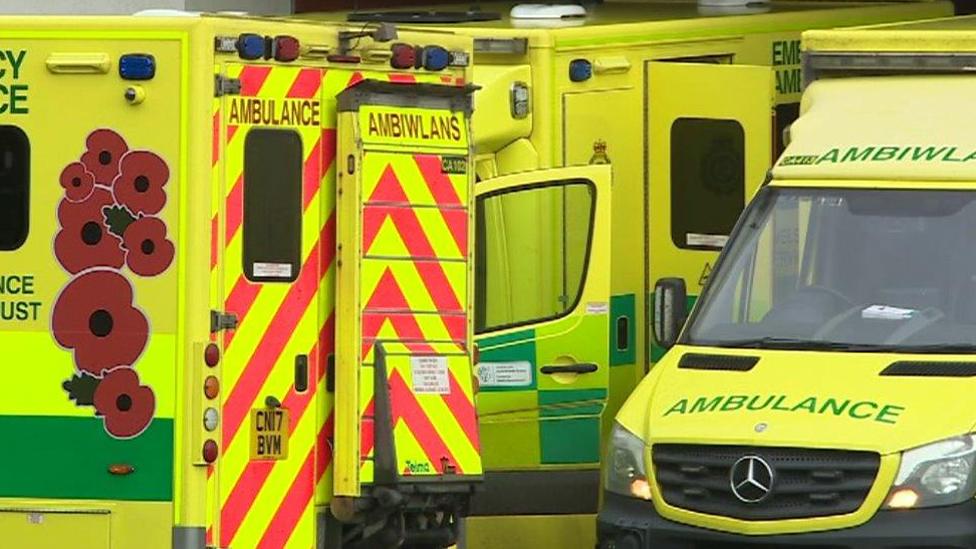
(275,245)
(405,410)
(710,133)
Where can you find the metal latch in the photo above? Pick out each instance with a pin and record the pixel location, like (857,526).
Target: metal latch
(224,85)
(222,321)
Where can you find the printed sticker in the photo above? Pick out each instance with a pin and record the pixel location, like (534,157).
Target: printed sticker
(597,308)
(710,240)
(505,374)
(887,312)
(430,375)
(272,270)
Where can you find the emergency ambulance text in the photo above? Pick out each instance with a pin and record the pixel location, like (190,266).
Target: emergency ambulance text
(854,409)
(15,307)
(415,126)
(275,112)
(13,93)
(786,54)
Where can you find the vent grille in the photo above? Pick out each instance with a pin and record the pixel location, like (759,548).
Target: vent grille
(806,482)
(697,361)
(931,369)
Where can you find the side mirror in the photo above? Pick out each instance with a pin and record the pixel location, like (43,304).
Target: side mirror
(670,310)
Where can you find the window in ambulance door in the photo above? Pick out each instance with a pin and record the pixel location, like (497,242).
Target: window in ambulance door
(707,181)
(14,187)
(533,248)
(272,205)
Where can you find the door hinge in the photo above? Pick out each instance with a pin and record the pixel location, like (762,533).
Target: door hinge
(222,321)
(224,85)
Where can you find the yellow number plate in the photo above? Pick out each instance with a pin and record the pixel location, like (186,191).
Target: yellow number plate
(269,434)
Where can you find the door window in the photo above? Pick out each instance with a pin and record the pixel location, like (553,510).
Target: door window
(272,205)
(533,246)
(14,187)
(708,170)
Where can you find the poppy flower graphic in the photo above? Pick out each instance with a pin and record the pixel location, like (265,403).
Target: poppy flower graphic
(84,240)
(78,182)
(139,186)
(105,150)
(126,406)
(150,253)
(95,316)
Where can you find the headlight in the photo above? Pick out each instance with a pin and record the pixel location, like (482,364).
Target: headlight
(936,474)
(625,470)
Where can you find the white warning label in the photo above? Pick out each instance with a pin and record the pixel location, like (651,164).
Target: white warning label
(430,375)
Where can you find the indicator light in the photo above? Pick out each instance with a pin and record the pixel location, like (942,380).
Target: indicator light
(211,387)
(121,469)
(211,418)
(210,451)
(436,58)
(640,488)
(251,46)
(404,56)
(906,498)
(137,66)
(580,70)
(211,355)
(285,48)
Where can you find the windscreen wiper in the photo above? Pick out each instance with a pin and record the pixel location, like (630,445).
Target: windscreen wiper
(937,348)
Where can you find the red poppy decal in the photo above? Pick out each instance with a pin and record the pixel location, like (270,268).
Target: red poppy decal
(105,150)
(126,406)
(78,182)
(150,253)
(139,186)
(94,315)
(84,240)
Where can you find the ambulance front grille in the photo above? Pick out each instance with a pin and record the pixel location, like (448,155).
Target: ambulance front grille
(805,483)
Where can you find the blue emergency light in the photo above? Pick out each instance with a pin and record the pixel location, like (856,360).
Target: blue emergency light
(436,58)
(137,66)
(251,46)
(580,70)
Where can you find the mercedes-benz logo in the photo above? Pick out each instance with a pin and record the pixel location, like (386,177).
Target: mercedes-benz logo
(751,479)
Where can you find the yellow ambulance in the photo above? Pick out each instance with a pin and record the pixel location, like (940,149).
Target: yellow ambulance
(819,394)
(685,102)
(234,284)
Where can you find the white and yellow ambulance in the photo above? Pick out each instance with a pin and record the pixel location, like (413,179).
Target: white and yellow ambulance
(234,284)
(820,394)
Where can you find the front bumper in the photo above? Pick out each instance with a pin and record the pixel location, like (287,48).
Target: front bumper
(628,523)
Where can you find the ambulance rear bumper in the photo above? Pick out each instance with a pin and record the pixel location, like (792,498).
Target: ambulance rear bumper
(628,523)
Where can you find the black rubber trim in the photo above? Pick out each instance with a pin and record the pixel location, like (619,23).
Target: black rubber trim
(931,369)
(733,363)
(441,17)
(635,524)
(537,493)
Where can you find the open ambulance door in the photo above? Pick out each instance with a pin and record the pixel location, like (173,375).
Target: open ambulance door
(542,283)
(711,141)
(405,415)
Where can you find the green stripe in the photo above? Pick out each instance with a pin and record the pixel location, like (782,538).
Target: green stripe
(69,457)
(564,439)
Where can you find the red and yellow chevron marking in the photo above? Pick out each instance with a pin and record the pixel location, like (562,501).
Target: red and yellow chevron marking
(270,503)
(414,293)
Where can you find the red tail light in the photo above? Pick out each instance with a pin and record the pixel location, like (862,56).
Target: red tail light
(286,48)
(211,355)
(210,451)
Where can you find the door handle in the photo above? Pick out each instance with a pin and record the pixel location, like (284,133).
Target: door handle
(579,368)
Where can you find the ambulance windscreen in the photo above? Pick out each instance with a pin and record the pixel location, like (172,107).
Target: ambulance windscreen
(885,270)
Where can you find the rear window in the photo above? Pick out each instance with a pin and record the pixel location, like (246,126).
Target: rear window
(14,187)
(272,205)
